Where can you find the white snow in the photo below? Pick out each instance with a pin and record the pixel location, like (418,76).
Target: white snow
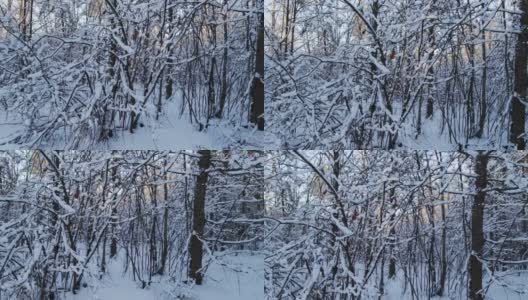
(10,127)
(229,277)
(116,285)
(394,290)
(238,277)
(169,132)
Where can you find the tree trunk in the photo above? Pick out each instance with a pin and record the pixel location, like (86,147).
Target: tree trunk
(293,25)
(392,234)
(196,247)
(113,242)
(518,110)
(443,270)
(477,224)
(169,81)
(257,93)
(211,95)
(286,26)
(107,117)
(483,100)
(165,247)
(223,92)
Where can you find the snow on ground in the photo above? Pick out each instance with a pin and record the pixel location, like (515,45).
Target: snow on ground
(238,277)
(171,131)
(230,277)
(435,136)
(516,290)
(116,286)
(10,128)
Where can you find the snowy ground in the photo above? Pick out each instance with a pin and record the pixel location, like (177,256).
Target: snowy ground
(171,131)
(515,289)
(435,136)
(231,277)
(10,128)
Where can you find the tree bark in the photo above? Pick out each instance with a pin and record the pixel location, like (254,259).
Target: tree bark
(223,92)
(443,270)
(113,242)
(518,110)
(165,247)
(196,246)
(477,230)
(483,100)
(257,93)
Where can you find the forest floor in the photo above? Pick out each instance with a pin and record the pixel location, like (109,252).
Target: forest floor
(510,287)
(230,277)
(170,131)
(435,136)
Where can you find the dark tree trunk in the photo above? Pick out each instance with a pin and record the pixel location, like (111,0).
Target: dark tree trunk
(477,224)
(113,242)
(518,110)
(257,93)
(223,92)
(483,100)
(198,224)
(169,81)
(392,259)
(443,271)
(107,117)
(165,247)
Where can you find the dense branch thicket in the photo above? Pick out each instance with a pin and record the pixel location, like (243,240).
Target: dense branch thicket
(77,72)
(66,215)
(364,74)
(401,225)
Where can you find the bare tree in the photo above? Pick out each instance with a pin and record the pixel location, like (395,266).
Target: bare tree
(196,246)
(518,105)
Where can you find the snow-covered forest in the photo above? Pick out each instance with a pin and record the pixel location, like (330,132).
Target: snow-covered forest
(82,225)
(384,74)
(397,225)
(127,74)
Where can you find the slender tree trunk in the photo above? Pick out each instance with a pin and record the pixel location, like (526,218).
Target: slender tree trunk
(169,81)
(211,95)
(153,240)
(113,242)
(165,247)
(443,270)
(23,18)
(483,100)
(257,93)
(294,17)
(477,230)
(107,117)
(223,92)
(198,224)
(286,26)
(392,234)
(430,73)
(518,109)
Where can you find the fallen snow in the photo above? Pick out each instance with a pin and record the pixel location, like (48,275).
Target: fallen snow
(238,277)
(170,131)
(10,127)
(116,286)
(229,277)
